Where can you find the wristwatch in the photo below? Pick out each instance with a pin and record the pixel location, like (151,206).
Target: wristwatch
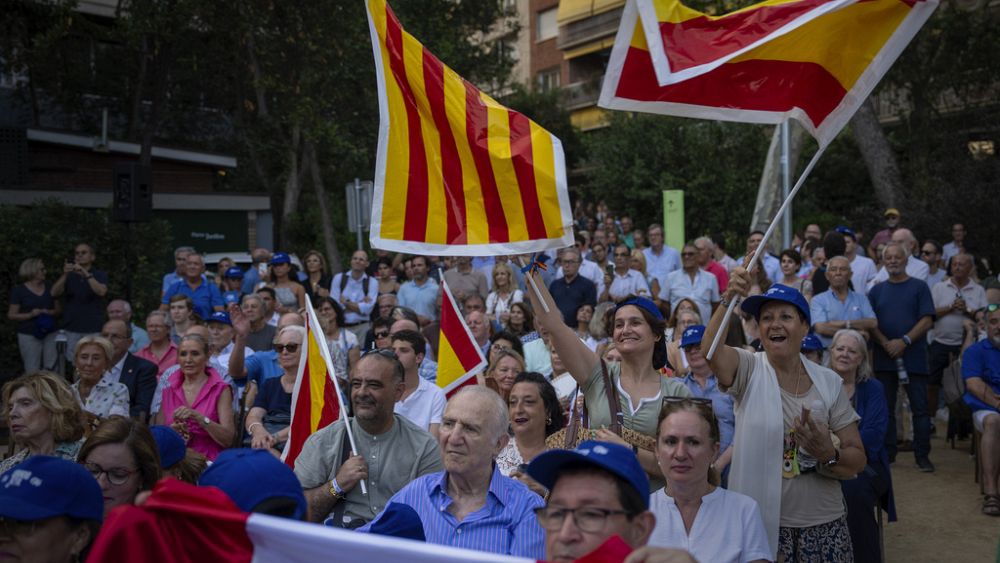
(206,420)
(906,338)
(834,460)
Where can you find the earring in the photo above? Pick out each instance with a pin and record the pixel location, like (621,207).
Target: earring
(548,420)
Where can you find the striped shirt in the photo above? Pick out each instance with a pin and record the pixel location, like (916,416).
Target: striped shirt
(506,524)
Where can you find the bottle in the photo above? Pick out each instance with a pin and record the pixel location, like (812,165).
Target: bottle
(904,378)
(818,415)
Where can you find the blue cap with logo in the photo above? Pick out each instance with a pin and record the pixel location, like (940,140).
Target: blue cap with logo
(220,317)
(777,292)
(613,458)
(232,297)
(251,477)
(811,343)
(692,335)
(233,273)
(847,231)
(43,487)
(280,258)
(170,445)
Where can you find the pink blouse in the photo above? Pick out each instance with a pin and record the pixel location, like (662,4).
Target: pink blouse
(169,357)
(206,403)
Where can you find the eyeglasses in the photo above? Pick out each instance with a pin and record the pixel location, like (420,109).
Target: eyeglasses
(116,476)
(291,348)
(382,334)
(927,252)
(587,518)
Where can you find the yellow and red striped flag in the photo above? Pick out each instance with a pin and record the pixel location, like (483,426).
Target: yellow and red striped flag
(456,172)
(459,357)
(815,61)
(316,395)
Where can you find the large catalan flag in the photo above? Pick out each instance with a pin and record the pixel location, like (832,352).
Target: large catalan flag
(316,396)
(459,357)
(815,61)
(456,172)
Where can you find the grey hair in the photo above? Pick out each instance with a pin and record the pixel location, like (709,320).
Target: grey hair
(158,313)
(179,249)
(300,330)
(865,369)
(250,296)
(704,240)
(103,343)
(499,418)
(896,244)
(126,304)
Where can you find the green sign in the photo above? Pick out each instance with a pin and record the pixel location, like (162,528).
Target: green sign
(209,231)
(673,219)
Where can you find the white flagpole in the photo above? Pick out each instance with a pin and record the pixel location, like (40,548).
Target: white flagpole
(324,350)
(761,248)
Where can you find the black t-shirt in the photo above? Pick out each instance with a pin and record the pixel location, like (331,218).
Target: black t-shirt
(27,301)
(83,310)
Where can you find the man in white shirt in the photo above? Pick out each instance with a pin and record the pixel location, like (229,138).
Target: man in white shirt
(660,259)
(693,283)
(915,267)
(957,245)
(625,280)
(422,402)
(863,269)
(930,252)
(772,266)
(356,292)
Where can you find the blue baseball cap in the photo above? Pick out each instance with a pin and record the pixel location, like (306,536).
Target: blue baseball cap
(251,477)
(613,458)
(233,273)
(812,343)
(399,520)
(232,297)
(220,317)
(44,486)
(692,335)
(847,231)
(643,303)
(777,292)
(170,444)
(280,258)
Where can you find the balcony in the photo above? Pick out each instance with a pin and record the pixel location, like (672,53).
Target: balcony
(583,31)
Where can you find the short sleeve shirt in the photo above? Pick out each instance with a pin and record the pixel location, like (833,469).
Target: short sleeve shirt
(83,310)
(898,307)
(424,406)
(27,301)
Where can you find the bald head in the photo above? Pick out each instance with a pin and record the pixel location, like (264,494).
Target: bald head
(290,319)
(403,324)
(906,238)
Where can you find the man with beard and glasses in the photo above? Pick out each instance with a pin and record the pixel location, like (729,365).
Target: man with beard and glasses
(392,451)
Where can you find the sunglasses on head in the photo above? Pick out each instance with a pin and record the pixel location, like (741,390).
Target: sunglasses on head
(291,348)
(384,352)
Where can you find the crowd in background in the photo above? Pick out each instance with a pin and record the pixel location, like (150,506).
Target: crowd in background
(600,345)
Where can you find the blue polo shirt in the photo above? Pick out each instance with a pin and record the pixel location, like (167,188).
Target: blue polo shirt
(205,297)
(898,306)
(826,307)
(421,298)
(569,296)
(981,360)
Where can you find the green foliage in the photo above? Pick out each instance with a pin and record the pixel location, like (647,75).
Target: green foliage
(717,165)
(49,230)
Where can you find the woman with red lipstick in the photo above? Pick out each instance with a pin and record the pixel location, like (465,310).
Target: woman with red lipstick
(796,433)
(43,416)
(623,398)
(197,402)
(535,414)
(692,511)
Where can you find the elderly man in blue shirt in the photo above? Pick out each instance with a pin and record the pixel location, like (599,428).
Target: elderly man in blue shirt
(838,307)
(471,504)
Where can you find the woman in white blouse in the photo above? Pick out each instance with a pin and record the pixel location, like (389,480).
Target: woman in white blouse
(505,293)
(97,395)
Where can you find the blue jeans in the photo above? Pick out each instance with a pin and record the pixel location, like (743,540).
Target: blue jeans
(916,390)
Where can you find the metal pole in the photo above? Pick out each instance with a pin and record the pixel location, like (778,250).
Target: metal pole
(786,183)
(359,207)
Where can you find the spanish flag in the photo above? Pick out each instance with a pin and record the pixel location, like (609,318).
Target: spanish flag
(456,172)
(815,61)
(316,396)
(459,357)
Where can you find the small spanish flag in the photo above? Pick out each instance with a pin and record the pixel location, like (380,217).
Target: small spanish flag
(459,357)
(457,173)
(316,396)
(814,61)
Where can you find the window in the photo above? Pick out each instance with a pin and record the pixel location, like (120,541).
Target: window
(546,25)
(547,80)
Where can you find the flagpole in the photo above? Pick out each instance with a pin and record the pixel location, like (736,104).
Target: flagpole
(761,248)
(324,350)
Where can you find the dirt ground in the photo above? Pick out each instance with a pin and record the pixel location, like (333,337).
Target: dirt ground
(939,513)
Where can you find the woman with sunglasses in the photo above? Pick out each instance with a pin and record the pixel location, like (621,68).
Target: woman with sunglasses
(268,421)
(692,511)
(797,435)
(637,332)
(703,384)
(122,455)
(196,402)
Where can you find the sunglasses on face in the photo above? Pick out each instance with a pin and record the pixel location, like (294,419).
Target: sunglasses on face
(291,348)
(382,334)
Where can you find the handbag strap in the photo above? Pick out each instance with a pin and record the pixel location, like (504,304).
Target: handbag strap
(345,452)
(614,403)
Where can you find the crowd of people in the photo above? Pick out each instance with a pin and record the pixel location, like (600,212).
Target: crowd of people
(604,409)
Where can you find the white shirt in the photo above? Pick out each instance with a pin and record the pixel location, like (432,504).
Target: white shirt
(631,283)
(727,529)
(660,265)
(949,250)
(915,268)
(703,290)
(424,406)
(863,270)
(948,329)
(355,292)
(114,375)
